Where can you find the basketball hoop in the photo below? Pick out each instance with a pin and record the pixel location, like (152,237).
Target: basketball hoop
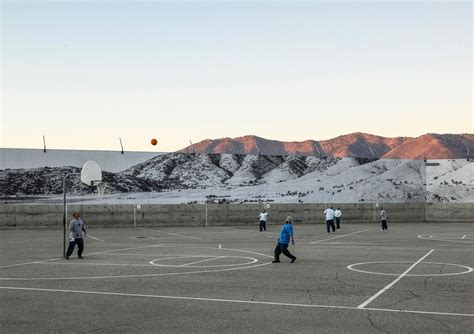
(101,186)
(91,174)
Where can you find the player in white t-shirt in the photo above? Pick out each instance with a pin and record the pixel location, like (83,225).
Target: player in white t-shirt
(338,215)
(263,217)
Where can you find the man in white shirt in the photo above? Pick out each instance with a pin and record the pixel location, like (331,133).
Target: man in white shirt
(338,214)
(263,217)
(329,212)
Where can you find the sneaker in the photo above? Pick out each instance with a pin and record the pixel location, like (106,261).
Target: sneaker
(293,260)
(80,257)
(67,257)
(276,261)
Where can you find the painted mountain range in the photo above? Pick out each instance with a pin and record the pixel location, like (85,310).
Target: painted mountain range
(360,145)
(176,178)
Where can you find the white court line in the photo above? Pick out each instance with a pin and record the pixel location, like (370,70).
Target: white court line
(211,259)
(90,236)
(60,258)
(102,264)
(371,299)
(176,234)
(143,275)
(183,236)
(95,253)
(458,240)
(74,278)
(27,263)
(237,301)
(246,230)
(417,312)
(340,236)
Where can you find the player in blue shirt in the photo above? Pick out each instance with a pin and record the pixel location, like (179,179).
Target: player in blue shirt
(286,233)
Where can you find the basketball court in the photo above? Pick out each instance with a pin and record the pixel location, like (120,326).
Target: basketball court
(413,277)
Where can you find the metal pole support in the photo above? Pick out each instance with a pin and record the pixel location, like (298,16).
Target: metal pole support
(65,211)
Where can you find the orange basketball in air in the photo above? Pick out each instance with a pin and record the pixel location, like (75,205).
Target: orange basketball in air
(154,141)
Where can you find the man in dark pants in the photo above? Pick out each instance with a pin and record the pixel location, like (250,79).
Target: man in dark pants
(262,218)
(383,219)
(76,227)
(286,233)
(329,212)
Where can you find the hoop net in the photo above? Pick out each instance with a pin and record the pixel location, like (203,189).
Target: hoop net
(101,186)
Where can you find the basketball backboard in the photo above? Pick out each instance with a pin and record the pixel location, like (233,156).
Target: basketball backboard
(91,174)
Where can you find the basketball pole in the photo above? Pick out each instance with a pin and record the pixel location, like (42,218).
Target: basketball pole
(134,215)
(90,174)
(65,211)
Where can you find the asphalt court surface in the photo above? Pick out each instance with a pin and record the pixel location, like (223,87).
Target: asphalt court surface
(413,277)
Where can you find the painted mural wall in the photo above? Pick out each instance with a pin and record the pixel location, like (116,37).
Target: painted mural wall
(30,176)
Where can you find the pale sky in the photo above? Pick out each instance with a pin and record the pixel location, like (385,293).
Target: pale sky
(85,73)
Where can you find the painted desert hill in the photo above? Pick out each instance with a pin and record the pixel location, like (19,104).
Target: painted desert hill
(176,178)
(431,146)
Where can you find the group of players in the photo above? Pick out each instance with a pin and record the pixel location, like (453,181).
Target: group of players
(77,230)
(331,217)
(286,231)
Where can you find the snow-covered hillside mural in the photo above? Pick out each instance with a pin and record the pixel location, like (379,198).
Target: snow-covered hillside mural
(175,178)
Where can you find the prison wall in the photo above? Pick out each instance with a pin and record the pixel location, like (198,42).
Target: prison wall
(51,216)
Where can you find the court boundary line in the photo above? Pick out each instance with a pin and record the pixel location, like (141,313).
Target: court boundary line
(145,275)
(250,230)
(175,234)
(95,253)
(430,237)
(469,269)
(90,236)
(127,248)
(236,301)
(339,236)
(206,260)
(371,299)
(28,263)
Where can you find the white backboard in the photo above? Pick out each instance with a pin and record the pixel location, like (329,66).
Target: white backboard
(91,174)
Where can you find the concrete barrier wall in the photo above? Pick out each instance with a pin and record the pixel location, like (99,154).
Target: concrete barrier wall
(449,212)
(34,216)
